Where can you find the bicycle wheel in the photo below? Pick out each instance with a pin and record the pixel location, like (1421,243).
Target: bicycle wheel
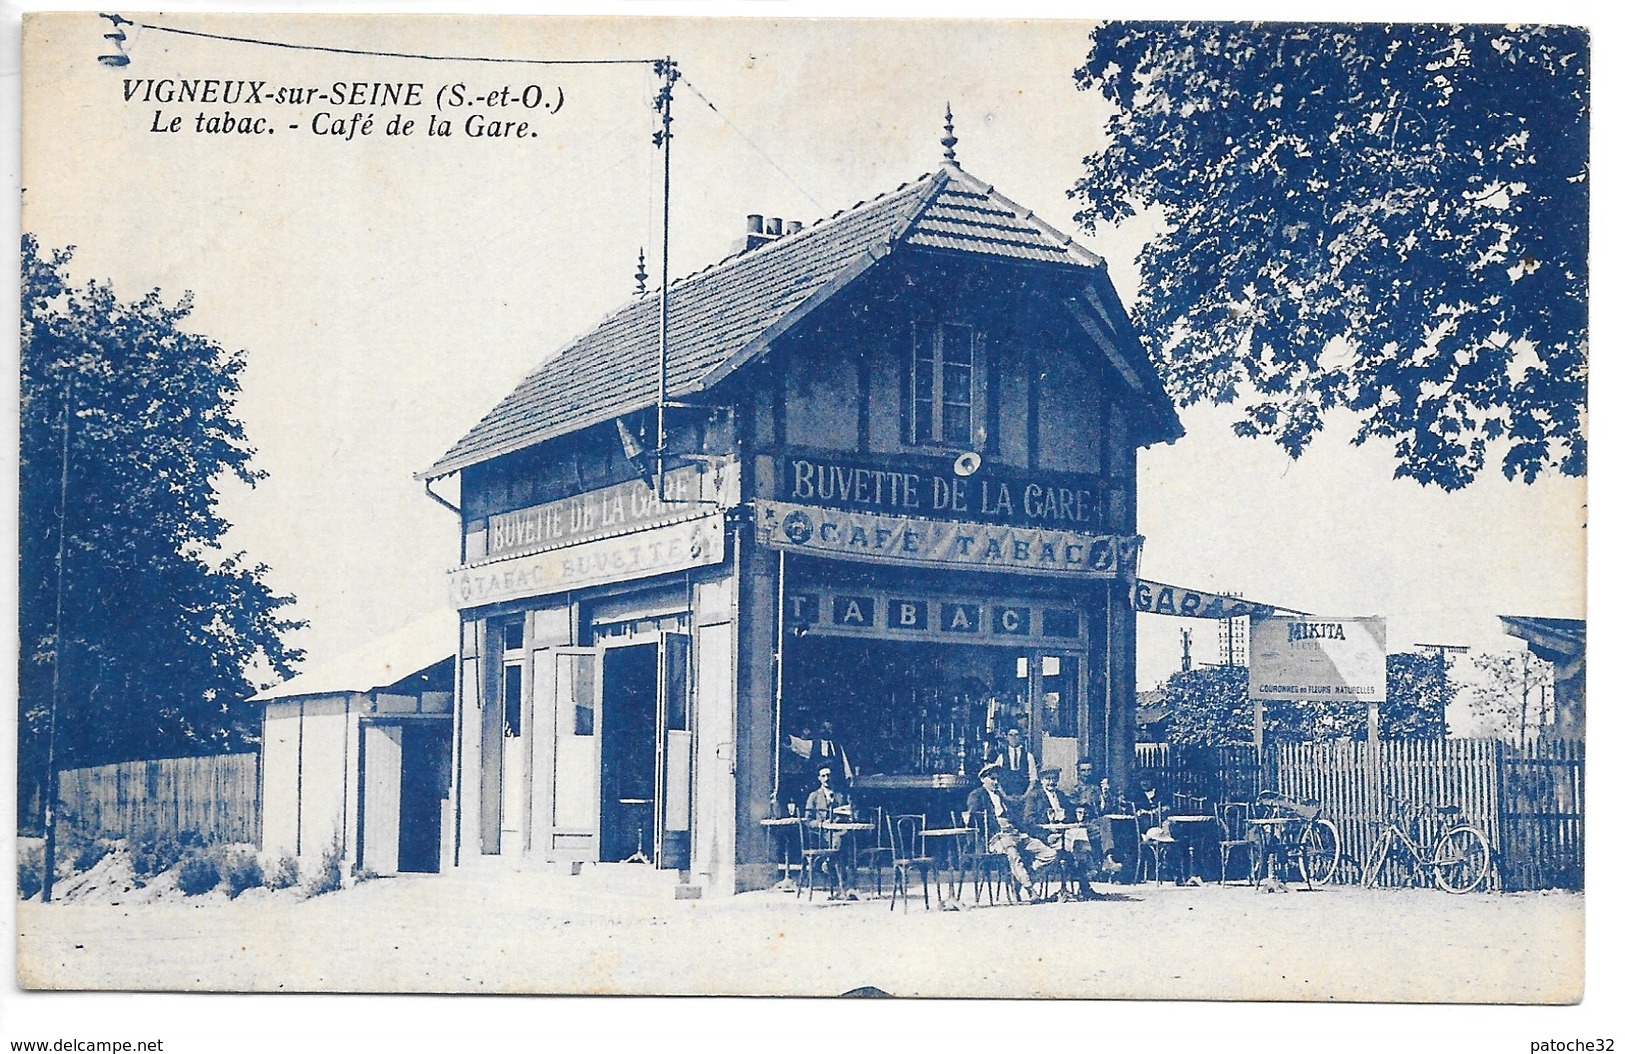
(1376,859)
(1318,847)
(1461,860)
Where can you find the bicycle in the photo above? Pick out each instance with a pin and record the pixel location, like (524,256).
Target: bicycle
(1458,859)
(1296,833)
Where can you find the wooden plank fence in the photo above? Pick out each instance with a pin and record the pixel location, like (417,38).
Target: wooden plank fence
(1529,801)
(216,796)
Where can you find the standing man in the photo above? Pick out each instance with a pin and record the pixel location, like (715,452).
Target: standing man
(1008,830)
(1020,767)
(827,750)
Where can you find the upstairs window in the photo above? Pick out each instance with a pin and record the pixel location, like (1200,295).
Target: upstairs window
(942,392)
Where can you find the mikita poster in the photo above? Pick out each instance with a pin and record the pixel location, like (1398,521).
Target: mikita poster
(1139,328)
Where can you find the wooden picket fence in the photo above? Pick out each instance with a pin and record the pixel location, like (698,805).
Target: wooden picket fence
(216,797)
(1529,801)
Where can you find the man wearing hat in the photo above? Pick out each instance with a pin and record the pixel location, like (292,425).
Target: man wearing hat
(1046,803)
(1009,831)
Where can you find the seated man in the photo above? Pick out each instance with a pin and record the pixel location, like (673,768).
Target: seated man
(1046,803)
(1008,829)
(825,804)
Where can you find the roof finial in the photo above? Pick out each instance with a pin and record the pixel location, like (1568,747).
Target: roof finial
(642,275)
(948,140)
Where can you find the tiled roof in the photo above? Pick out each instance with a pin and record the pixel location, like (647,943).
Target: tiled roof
(724,315)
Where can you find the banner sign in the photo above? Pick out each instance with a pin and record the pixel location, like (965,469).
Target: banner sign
(1154,598)
(1064,501)
(944,544)
(656,551)
(624,507)
(845,611)
(1315,657)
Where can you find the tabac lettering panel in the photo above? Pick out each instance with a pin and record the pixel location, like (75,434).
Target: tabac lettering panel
(1007,622)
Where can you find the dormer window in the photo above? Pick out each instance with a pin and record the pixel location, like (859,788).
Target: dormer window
(942,408)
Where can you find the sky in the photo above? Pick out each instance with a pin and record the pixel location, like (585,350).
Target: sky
(389,291)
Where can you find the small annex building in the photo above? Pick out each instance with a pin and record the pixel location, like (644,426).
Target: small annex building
(898,510)
(1561,642)
(356,753)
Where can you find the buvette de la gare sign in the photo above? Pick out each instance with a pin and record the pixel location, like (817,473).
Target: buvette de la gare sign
(930,487)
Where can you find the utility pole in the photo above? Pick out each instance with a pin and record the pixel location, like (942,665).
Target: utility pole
(1442,650)
(56,650)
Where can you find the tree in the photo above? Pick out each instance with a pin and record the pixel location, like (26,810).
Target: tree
(1512,694)
(1210,707)
(1388,219)
(127,428)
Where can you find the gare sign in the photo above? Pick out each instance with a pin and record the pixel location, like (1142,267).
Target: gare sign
(617,509)
(1049,499)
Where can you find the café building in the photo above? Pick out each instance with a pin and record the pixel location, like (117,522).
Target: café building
(896,509)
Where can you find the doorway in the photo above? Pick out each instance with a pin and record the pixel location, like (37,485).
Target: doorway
(425,787)
(630,706)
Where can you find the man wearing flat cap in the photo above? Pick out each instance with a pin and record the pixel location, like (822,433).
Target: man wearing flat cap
(1009,831)
(1047,804)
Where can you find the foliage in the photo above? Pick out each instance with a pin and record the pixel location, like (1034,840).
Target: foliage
(240,870)
(1210,707)
(89,852)
(329,875)
(30,870)
(1389,219)
(284,874)
(1512,696)
(199,872)
(161,626)
(154,852)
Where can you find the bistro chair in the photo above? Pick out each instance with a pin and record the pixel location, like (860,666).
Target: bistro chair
(1233,835)
(986,865)
(817,854)
(909,856)
(1154,844)
(881,854)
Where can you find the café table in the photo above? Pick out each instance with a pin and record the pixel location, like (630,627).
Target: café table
(1065,829)
(1191,830)
(953,851)
(836,828)
(779,827)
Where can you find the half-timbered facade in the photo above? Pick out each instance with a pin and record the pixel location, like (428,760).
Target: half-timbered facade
(898,509)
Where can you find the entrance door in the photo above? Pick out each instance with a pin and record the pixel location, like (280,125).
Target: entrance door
(630,705)
(425,782)
(673,775)
(577,725)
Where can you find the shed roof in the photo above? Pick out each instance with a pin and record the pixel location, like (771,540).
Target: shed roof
(377,664)
(723,316)
(1550,638)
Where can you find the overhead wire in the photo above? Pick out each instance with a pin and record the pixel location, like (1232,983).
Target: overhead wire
(752,144)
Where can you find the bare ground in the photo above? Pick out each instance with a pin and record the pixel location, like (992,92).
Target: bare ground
(617,931)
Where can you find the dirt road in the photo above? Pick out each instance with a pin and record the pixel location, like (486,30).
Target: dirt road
(608,932)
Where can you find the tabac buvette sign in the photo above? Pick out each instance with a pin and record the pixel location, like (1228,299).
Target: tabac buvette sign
(1316,657)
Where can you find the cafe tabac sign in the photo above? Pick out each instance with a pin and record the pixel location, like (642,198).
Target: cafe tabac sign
(950,545)
(681,546)
(931,487)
